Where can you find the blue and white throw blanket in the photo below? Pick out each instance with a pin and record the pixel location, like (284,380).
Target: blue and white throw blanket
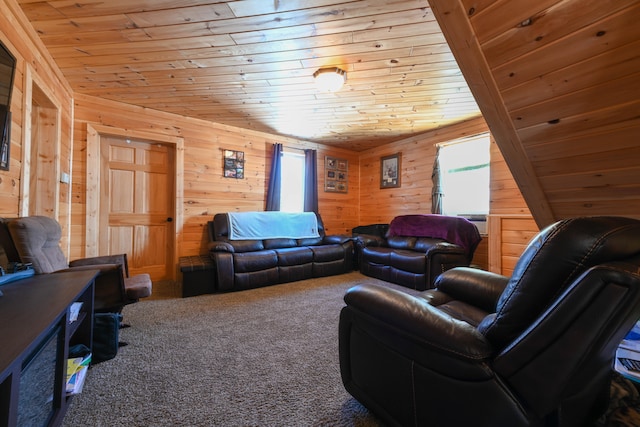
(272,225)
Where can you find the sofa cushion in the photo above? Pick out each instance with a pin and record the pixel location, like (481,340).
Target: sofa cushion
(423,244)
(279,243)
(255,261)
(401,242)
(327,253)
(376,254)
(411,261)
(310,242)
(246,245)
(294,256)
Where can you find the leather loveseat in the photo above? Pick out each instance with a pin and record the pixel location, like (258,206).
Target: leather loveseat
(249,263)
(417,248)
(481,349)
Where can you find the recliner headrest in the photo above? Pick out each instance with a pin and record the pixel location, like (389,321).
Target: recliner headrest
(552,261)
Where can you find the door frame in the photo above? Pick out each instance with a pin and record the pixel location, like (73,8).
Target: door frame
(92,215)
(33,83)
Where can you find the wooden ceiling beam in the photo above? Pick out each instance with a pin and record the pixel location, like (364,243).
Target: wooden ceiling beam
(454,22)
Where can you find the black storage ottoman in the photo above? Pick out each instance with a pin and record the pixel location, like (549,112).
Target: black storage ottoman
(198,275)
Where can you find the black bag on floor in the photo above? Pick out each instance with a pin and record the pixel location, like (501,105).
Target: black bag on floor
(106,334)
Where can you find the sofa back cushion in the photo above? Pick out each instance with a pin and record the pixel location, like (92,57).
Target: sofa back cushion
(219,231)
(401,242)
(279,243)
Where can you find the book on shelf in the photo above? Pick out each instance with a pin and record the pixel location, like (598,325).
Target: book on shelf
(77,368)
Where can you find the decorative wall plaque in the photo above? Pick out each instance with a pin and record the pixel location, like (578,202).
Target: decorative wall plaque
(233,164)
(336,178)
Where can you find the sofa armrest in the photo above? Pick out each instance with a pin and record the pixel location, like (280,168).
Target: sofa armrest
(414,319)
(340,239)
(366,240)
(476,287)
(224,269)
(218,246)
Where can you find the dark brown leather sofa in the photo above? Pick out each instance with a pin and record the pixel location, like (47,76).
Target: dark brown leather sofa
(245,264)
(535,349)
(416,249)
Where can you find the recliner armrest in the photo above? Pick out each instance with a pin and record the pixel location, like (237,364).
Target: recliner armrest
(102,268)
(120,259)
(408,314)
(476,287)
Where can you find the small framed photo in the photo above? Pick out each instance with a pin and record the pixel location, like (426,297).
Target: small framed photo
(390,171)
(336,175)
(233,164)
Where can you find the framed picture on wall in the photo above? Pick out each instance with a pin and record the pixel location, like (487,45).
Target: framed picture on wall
(336,175)
(233,164)
(390,171)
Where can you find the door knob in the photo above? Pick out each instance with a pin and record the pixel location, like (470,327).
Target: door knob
(169,219)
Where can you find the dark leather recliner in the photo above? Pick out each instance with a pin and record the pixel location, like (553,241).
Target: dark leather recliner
(35,240)
(535,349)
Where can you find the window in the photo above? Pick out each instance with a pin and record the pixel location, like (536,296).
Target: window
(292,189)
(464,169)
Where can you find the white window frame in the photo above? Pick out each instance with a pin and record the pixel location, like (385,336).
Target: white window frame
(474,179)
(292,173)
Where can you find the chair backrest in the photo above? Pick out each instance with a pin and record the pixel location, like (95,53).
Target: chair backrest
(553,260)
(37,240)
(6,241)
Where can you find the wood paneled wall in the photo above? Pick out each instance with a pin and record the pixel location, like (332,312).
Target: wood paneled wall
(510,223)
(557,81)
(499,250)
(206,191)
(34,69)
(414,195)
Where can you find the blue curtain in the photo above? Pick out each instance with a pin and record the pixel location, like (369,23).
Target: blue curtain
(275,180)
(310,181)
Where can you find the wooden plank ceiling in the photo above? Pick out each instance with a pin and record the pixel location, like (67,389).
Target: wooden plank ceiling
(558,82)
(249,63)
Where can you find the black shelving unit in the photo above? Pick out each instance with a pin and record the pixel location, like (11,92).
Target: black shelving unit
(36,332)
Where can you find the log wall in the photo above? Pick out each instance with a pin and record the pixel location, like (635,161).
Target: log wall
(206,190)
(36,74)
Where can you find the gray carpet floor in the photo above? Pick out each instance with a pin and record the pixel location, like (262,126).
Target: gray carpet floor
(262,357)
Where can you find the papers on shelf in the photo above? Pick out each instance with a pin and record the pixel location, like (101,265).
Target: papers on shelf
(629,348)
(619,367)
(632,340)
(74,311)
(77,368)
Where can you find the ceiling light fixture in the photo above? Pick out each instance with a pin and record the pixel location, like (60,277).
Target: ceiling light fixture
(330,79)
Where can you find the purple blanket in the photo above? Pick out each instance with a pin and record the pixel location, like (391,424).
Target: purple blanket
(453,229)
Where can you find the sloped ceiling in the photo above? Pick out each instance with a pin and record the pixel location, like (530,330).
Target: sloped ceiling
(558,82)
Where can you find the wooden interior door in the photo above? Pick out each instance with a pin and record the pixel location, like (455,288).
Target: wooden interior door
(137,199)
